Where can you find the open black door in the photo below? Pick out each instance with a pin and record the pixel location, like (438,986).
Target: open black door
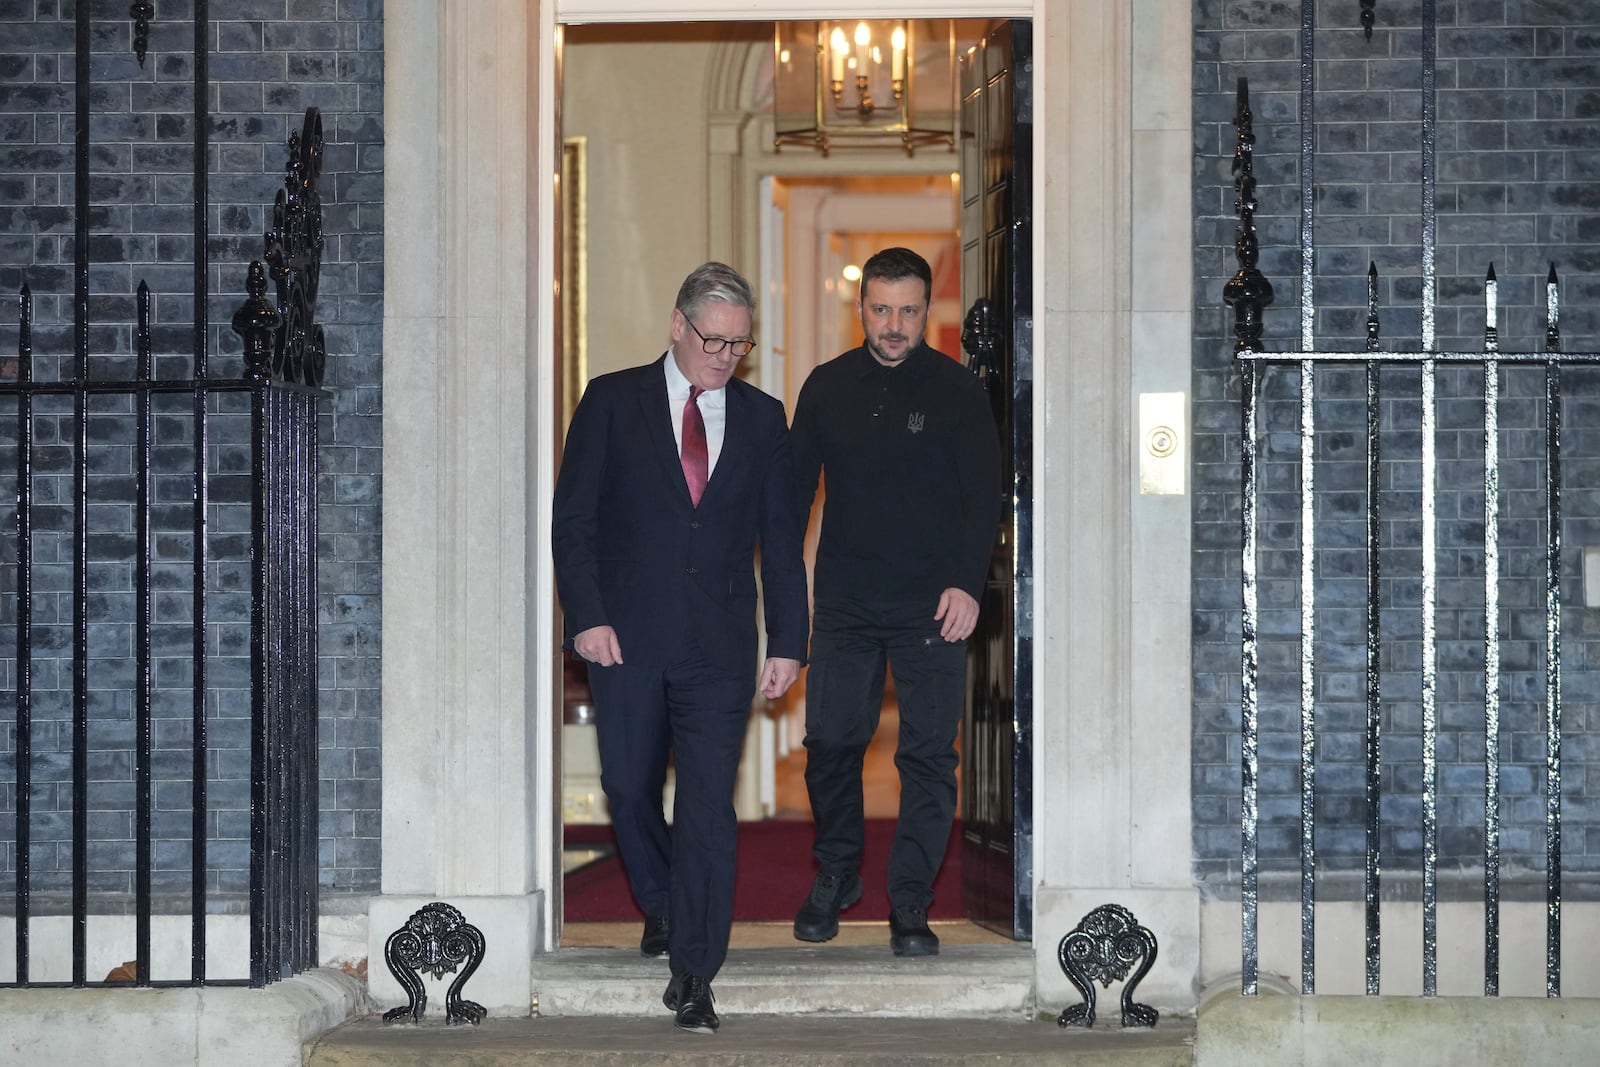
(997,337)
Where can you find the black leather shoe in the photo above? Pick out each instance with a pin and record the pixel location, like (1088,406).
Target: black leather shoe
(909,934)
(818,917)
(654,941)
(674,993)
(689,996)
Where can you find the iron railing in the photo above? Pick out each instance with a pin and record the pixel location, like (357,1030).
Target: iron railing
(1248,293)
(165,535)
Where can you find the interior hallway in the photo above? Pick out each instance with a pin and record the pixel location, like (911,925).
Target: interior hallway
(881,795)
(880,784)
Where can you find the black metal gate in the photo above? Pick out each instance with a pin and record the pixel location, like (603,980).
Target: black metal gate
(1332,386)
(159,602)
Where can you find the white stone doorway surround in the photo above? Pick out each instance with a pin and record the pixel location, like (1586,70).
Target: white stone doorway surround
(470,782)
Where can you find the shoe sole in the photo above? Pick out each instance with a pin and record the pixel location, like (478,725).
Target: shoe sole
(914,947)
(815,936)
(702,1029)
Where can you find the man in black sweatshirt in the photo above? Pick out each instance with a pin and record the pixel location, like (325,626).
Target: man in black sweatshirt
(907,443)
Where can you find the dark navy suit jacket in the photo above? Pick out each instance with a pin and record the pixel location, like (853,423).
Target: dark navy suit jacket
(633,553)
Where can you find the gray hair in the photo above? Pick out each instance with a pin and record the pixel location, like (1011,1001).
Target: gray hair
(714,281)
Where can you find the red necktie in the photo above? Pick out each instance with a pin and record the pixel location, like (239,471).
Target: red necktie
(696,462)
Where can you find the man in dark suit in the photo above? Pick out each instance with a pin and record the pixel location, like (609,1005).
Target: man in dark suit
(673,474)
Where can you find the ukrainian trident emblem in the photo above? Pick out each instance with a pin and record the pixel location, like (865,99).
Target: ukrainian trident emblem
(916,421)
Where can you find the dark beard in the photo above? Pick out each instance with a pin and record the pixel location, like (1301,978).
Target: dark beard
(883,357)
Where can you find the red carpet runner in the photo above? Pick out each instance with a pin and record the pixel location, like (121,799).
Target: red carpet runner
(774,875)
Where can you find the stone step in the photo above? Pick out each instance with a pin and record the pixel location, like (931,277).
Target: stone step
(811,1040)
(992,981)
(818,1006)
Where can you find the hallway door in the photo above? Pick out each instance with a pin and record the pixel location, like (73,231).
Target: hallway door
(997,337)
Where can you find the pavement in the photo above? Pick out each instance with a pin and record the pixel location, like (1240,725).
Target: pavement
(747,1040)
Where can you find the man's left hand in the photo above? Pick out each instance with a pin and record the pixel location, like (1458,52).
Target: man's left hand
(959,612)
(777,676)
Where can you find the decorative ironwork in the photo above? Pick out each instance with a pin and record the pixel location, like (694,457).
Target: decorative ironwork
(257,321)
(1248,291)
(1368,17)
(141,13)
(980,337)
(283,690)
(435,940)
(294,258)
(1103,947)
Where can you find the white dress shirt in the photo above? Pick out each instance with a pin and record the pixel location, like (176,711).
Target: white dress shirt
(713,410)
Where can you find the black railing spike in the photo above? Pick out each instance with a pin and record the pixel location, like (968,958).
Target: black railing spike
(141,13)
(1552,312)
(1372,306)
(25,334)
(1368,17)
(1491,312)
(141,340)
(1248,291)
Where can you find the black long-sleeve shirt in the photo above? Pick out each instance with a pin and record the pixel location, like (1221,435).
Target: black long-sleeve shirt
(911,458)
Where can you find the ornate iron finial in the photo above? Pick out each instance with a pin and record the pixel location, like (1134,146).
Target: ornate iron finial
(1248,291)
(141,13)
(980,337)
(435,940)
(1103,947)
(1368,16)
(257,321)
(294,256)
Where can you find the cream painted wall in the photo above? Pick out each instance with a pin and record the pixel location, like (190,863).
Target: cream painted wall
(639,103)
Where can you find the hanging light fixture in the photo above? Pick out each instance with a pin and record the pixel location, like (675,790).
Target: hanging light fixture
(860,84)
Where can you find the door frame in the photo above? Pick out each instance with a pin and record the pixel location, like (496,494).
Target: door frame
(547,719)
(469,661)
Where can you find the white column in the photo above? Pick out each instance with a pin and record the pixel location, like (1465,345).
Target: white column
(1111,792)
(458,770)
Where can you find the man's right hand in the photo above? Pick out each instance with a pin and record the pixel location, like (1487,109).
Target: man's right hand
(598,644)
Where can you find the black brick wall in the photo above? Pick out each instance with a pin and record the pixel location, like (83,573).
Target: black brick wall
(268,60)
(1519,186)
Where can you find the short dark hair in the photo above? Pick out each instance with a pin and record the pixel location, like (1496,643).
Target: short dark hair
(714,281)
(895,264)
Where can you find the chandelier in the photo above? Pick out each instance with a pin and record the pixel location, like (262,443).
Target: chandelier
(860,84)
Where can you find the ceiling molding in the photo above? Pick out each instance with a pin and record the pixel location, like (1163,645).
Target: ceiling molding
(581,11)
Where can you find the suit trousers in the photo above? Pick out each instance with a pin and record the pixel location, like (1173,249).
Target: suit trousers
(697,711)
(844,694)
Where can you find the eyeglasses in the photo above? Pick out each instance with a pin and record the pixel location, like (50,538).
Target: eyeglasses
(713,345)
